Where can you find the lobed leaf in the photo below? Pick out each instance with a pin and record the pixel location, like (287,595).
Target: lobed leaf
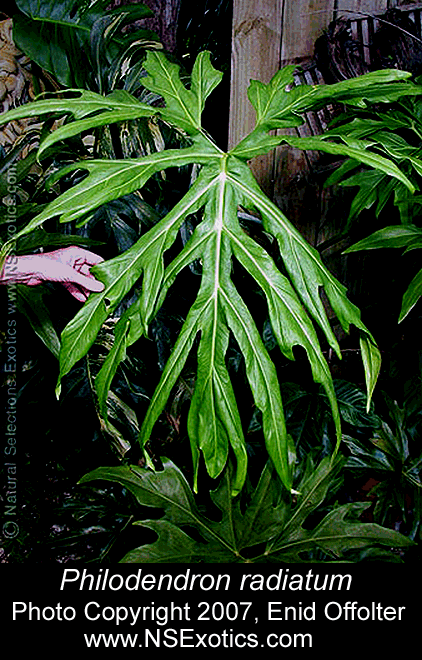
(280,104)
(219,312)
(109,180)
(307,272)
(120,274)
(235,537)
(183,106)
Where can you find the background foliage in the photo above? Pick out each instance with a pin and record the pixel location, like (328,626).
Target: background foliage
(94,522)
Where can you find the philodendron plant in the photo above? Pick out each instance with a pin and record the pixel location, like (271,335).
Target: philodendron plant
(224,185)
(267,526)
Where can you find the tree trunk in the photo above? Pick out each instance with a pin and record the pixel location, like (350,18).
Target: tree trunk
(164,21)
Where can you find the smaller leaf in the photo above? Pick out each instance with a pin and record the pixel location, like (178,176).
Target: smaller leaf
(358,151)
(411,296)
(352,402)
(341,530)
(371,358)
(173,546)
(372,184)
(365,456)
(347,166)
(394,236)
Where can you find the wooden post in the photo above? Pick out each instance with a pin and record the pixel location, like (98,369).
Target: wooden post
(303,22)
(364,6)
(266,35)
(256,44)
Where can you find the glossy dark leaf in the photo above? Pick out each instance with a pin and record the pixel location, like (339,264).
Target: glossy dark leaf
(269,521)
(55,35)
(391,457)
(352,404)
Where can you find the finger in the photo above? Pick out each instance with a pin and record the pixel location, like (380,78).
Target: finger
(76,292)
(84,269)
(89,283)
(88,257)
(73,252)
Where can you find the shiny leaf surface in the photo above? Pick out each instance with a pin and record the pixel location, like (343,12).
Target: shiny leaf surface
(269,529)
(218,243)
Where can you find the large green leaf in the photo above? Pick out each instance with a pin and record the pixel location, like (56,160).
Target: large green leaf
(270,528)
(292,288)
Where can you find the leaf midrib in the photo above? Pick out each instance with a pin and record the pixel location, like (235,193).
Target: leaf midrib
(194,517)
(178,97)
(299,508)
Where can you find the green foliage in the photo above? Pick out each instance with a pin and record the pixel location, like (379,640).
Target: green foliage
(117,223)
(400,236)
(392,457)
(308,415)
(272,527)
(394,132)
(58,36)
(218,241)
(118,106)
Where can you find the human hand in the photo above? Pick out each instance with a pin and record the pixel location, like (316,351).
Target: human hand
(70,266)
